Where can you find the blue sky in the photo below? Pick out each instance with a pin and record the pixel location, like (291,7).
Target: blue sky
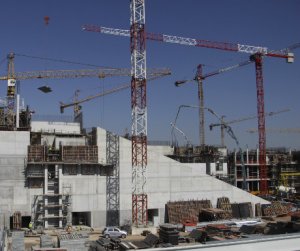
(270,23)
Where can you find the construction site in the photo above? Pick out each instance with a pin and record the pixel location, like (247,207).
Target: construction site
(62,184)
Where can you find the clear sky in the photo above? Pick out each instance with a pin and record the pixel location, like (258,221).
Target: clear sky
(270,23)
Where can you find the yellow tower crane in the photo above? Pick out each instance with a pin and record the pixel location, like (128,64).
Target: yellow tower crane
(11,113)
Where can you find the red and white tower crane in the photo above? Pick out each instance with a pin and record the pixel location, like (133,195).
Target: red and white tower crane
(138,112)
(257,54)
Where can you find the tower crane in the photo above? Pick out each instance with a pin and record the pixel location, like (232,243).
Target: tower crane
(257,56)
(139,157)
(12,77)
(199,79)
(222,123)
(241,120)
(77,102)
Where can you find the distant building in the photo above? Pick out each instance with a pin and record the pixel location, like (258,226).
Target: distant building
(283,169)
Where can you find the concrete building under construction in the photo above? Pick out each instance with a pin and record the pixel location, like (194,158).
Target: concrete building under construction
(54,174)
(283,169)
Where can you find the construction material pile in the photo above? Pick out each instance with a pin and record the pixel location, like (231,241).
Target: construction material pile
(168,234)
(201,211)
(275,208)
(46,241)
(214,232)
(73,241)
(18,241)
(184,211)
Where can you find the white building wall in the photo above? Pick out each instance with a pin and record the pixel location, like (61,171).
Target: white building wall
(69,141)
(58,127)
(169,180)
(14,195)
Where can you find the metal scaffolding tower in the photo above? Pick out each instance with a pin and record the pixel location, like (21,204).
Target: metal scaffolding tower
(113,181)
(138,112)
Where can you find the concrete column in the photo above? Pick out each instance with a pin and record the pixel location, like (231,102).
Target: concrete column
(235,169)
(18,111)
(247,156)
(235,157)
(60,191)
(258,188)
(78,170)
(247,172)
(45,196)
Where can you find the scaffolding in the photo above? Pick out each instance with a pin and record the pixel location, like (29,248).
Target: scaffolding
(41,213)
(113,181)
(196,154)
(278,162)
(65,154)
(44,169)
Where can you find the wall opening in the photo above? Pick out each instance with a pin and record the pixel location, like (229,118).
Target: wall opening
(24,223)
(81,218)
(153,217)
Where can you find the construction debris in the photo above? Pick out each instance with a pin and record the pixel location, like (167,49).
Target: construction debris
(190,212)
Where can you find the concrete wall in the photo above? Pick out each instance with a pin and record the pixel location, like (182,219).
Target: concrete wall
(168,180)
(59,127)
(201,167)
(14,196)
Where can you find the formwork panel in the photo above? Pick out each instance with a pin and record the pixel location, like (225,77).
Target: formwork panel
(80,154)
(36,153)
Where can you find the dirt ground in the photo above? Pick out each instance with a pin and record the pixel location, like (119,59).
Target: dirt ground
(93,236)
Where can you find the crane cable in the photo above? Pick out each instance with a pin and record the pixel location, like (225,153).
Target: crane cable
(65,61)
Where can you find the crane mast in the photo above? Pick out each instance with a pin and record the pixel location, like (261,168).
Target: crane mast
(199,78)
(201,105)
(138,112)
(263,182)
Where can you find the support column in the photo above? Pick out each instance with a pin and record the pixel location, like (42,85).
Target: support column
(46,196)
(247,156)
(59,167)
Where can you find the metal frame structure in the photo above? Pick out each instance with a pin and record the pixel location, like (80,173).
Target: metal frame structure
(181,40)
(256,51)
(138,112)
(199,78)
(113,181)
(261,123)
(201,105)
